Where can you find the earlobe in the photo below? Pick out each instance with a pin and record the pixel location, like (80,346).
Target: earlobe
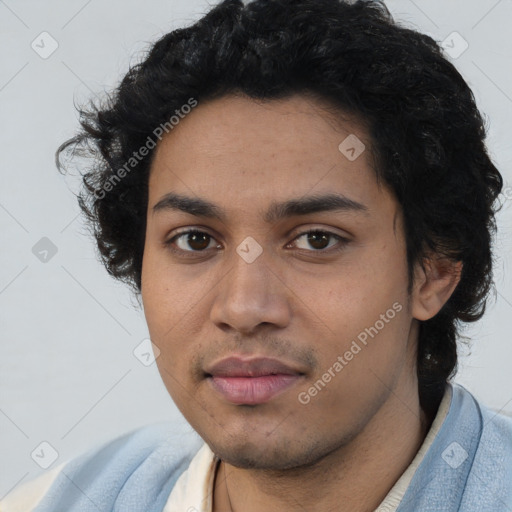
(433,286)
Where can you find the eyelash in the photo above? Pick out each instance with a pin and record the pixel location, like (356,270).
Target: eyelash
(342,241)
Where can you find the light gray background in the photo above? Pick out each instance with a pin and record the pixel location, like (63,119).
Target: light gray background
(68,375)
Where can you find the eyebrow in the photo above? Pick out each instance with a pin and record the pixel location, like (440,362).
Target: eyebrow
(277,211)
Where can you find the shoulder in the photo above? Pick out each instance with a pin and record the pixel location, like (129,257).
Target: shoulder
(495,426)
(26,496)
(112,476)
(468,466)
(490,477)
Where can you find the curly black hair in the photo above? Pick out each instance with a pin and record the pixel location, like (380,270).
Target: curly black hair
(426,131)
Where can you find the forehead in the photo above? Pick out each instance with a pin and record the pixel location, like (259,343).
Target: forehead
(239,152)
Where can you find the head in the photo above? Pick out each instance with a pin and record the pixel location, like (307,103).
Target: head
(250,128)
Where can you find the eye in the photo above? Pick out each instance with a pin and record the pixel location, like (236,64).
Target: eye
(319,240)
(194,241)
(191,241)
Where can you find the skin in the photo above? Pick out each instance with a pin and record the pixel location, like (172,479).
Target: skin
(299,302)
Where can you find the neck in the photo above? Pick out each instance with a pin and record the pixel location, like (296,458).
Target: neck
(355,477)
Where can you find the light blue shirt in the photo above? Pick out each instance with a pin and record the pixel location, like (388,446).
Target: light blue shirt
(468,468)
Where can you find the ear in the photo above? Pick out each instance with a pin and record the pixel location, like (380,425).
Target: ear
(433,286)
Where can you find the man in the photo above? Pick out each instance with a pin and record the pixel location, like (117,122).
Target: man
(300,192)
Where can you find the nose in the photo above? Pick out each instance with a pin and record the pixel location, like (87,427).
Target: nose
(250,295)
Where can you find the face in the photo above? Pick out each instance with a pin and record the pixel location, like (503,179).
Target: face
(249,281)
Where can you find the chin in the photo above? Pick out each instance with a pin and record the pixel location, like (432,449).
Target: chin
(276,455)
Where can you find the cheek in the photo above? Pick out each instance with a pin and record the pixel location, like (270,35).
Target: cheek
(163,309)
(169,294)
(175,307)
(354,297)
(364,314)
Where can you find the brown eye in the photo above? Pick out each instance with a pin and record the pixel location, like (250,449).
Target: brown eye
(191,241)
(318,240)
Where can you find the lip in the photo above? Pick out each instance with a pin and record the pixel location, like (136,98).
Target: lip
(251,381)
(236,366)
(252,390)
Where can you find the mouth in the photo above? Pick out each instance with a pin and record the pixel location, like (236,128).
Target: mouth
(252,390)
(251,381)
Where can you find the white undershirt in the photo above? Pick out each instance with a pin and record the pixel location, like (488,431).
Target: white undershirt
(193,491)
